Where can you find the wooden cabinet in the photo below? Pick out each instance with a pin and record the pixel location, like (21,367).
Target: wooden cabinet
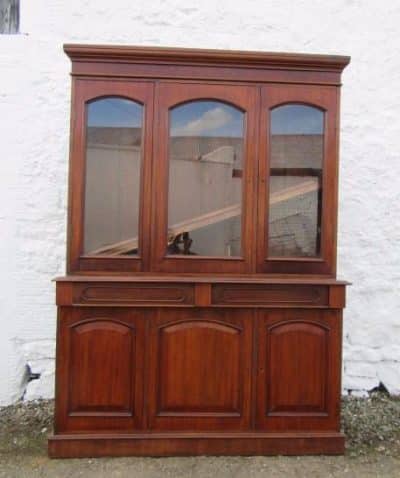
(200,313)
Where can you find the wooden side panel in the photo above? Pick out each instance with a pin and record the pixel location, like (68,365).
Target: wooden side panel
(337,297)
(299,366)
(64,291)
(199,370)
(100,362)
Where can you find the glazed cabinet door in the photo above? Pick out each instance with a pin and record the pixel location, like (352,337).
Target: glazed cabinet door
(99,369)
(204,176)
(200,363)
(110,166)
(297,204)
(299,367)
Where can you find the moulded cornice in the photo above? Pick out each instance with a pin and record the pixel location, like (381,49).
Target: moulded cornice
(190,56)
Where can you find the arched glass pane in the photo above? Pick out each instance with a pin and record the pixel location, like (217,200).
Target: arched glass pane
(112,180)
(296,157)
(205,179)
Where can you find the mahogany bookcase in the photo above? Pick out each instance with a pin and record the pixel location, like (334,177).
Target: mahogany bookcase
(200,313)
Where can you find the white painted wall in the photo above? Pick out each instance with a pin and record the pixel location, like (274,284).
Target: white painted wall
(34,130)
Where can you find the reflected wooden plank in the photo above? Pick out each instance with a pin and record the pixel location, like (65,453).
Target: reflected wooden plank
(208,219)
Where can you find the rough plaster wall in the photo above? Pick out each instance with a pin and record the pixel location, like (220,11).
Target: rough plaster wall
(34,111)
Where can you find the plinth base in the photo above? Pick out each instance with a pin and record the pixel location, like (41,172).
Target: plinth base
(185,444)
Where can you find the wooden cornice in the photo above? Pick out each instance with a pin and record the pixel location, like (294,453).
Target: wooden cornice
(189,56)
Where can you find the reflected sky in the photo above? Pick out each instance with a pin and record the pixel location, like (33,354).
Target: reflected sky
(206,118)
(297,119)
(114,113)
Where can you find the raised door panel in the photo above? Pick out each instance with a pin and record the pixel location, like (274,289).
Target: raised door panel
(199,370)
(298,369)
(299,383)
(99,369)
(212,386)
(102,358)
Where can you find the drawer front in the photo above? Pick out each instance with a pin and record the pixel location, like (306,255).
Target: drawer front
(270,295)
(134,294)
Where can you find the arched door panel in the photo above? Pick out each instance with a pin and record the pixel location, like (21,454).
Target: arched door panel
(100,364)
(298,369)
(199,365)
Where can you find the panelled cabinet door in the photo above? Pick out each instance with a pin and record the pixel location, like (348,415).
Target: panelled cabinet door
(110,174)
(200,370)
(298,379)
(204,169)
(297,180)
(99,369)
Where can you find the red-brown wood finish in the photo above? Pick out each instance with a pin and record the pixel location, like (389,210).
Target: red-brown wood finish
(100,357)
(186,355)
(195,64)
(135,294)
(184,444)
(200,364)
(270,295)
(298,369)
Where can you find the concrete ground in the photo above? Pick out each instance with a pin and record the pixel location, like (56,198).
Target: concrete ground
(38,465)
(372,427)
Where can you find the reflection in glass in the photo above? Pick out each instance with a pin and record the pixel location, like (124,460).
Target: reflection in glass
(205,186)
(296,157)
(112,184)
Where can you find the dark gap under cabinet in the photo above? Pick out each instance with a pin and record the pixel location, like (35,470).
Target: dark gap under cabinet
(200,313)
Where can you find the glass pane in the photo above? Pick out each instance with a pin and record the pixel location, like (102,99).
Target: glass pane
(205,179)
(295,181)
(113,157)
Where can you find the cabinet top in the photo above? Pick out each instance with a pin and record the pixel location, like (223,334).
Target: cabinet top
(203,161)
(211,57)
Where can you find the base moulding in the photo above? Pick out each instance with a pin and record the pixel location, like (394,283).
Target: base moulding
(183,444)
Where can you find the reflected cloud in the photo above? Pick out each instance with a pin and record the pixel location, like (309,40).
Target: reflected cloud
(209,121)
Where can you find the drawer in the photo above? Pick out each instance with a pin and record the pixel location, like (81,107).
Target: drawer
(274,295)
(133,294)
